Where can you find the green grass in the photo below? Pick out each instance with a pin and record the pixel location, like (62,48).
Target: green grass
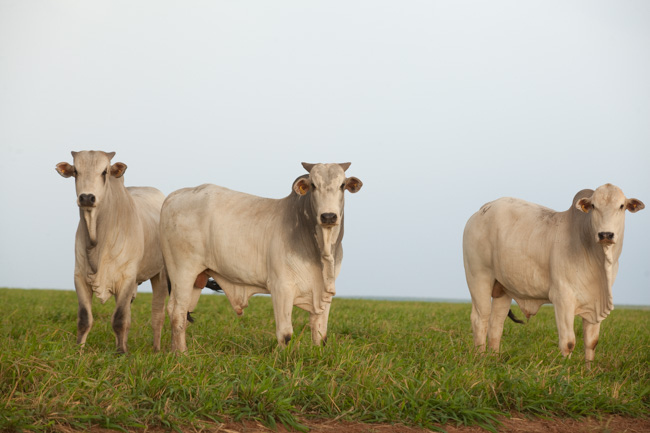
(389,362)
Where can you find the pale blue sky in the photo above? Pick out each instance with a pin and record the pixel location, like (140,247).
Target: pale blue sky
(440,107)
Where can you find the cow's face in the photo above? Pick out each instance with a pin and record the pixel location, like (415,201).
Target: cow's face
(91,171)
(607,207)
(326,183)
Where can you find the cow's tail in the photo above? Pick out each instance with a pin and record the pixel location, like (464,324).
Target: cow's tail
(513,317)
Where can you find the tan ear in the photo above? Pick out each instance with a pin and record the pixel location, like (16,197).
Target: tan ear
(345,165)
(118,169)
(308,166)
(584,205)
(110,155)
(302,186)
(65,169)
(353,184)
(634,205)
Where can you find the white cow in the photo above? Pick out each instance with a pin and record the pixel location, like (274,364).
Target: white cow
(513,249)
(290,248)
(117,245)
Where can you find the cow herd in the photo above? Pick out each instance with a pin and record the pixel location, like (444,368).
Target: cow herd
(291,249)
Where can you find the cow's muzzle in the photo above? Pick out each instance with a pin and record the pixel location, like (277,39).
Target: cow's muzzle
(606,238)
(86,200)
(328,219)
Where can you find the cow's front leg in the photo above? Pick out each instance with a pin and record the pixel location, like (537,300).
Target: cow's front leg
(318,324)
(121,319)
(84,313)
(564,314)
(591,332)
(282,308)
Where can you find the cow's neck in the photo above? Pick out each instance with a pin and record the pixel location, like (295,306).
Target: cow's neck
(600,259)
(109,220)
(324,243)
(328,240)
(112,222)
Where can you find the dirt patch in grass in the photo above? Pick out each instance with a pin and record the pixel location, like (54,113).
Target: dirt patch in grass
(613,424)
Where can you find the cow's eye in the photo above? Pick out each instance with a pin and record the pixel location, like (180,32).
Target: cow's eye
(75,172)
(104,173)
(313,186)
(593,206)
(622,206)
(343,185)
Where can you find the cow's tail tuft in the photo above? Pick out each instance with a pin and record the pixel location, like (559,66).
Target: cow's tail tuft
(513,317)
(213,285)
(189,317)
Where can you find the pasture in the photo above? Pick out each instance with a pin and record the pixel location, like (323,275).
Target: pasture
(385,362)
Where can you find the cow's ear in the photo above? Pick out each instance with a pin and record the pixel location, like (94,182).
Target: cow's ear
(353,184)
(302,186)
(584,205)
(118,169)
(345,165)
(634,205)
(308,166)
(65,169)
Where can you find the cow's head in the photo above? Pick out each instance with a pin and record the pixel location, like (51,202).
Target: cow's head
(91,171)
(326,183)
(607,207)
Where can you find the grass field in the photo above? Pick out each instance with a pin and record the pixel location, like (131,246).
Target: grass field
(395,362)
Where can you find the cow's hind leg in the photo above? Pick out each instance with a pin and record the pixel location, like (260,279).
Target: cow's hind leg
(121,320)
(318,324)
(500,307)
(481,292)
(159,288)
(84,313)
(591,332)
(179,304)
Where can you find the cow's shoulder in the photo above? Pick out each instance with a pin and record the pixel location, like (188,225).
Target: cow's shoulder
(146,193)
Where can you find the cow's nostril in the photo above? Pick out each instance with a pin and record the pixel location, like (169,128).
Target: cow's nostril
(328,218)
(86,199)
(605,236)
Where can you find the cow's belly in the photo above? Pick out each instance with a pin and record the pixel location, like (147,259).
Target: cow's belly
(241,259)
(240,250)
(150,267)
(239,273)
(523,288)
(302,289)
(524,280)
